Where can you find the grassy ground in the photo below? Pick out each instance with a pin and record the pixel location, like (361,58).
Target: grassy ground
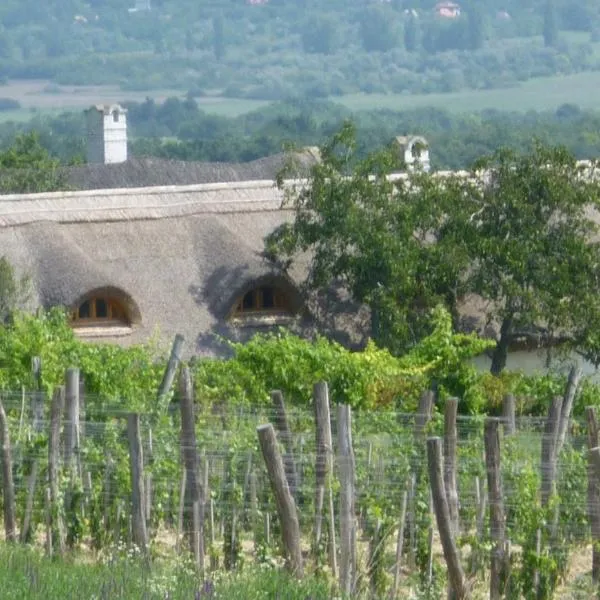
(27,575)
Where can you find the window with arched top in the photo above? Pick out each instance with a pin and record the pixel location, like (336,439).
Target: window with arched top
(115,116)
(101,310)
(266,299)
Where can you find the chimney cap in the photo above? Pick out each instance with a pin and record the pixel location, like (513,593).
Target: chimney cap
(107,109)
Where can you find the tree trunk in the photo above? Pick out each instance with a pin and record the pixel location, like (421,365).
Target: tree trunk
(501,350)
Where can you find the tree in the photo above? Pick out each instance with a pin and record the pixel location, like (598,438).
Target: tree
(218,37)
(550,25)
(475,27)
(519,238)
(368,234)
(378,30)
(411,34)
(524,221)
(27,167)
(319,36)
(13,291)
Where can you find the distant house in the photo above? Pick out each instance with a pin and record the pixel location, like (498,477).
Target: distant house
(257,2)
(447,10)
(140,6)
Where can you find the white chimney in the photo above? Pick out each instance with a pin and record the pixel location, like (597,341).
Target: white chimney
(106,134)
(414,151)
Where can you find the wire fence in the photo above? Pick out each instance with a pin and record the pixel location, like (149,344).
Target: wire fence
(386,453)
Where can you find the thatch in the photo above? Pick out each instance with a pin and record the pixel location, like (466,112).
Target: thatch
(178,257)
(146,172)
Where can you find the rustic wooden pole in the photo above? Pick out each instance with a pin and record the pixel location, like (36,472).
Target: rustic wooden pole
(48,515)
(324,454)
(400,544)
(136,467)
(423,415)
(194,498)
(172,365)
(575,375)
(412,521)
(456,576)
(450,442)
(508,414)
(285,436)
(347,500)
(593,492)
(148,485)
(28,515)
(56,410)
(499,559)
(71,427)
(8,488)
(182,486)
(549,441)
(286,508)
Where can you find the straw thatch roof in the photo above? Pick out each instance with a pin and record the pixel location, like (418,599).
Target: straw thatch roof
(146,172)
(178,257)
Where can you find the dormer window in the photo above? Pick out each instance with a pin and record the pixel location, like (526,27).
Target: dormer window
(115,116)
(263,300)
(100,310)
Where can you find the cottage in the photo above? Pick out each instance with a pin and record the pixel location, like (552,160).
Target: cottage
(447,10)
(148,246)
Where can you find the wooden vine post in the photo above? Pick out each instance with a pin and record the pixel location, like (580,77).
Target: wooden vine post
(56,524)
(323,470)
(593,491)
(450,442)
(499,557)
(136,466)
(508,414)
(549,443)
(8,488)
(71,436)
(286,507)
(285,435)
(456,576)
(193,520)
(347,500)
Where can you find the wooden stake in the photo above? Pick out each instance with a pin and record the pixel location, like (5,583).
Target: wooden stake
(450,441)
(285,436)
(347,500)
(136,465)
(456,576)
(8,488)
(549,444)
(286,507)
(593,492)
(508,414)
(499,559)
(400,544)
(194,498)
(58,529)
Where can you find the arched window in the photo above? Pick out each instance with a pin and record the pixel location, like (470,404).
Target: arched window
(266,299)
(100,310)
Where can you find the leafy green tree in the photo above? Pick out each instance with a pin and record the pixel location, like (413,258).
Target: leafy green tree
(319,36)
(551,35)
(219,46)
(411,34)
(476,27)
(27,167)
(528,230)
(369,233)
(517,238)
(378,29)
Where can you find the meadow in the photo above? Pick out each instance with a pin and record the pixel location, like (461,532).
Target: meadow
(544,93)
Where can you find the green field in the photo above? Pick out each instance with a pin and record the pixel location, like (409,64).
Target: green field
(546,93)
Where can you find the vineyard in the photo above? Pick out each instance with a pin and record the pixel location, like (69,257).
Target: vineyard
(181,482)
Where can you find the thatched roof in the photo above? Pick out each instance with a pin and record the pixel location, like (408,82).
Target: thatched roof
(179,256)
(146,172)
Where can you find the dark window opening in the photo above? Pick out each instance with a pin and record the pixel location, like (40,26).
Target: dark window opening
(84,310)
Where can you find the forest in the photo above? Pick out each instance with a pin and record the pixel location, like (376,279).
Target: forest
(179,129)
(310,48)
